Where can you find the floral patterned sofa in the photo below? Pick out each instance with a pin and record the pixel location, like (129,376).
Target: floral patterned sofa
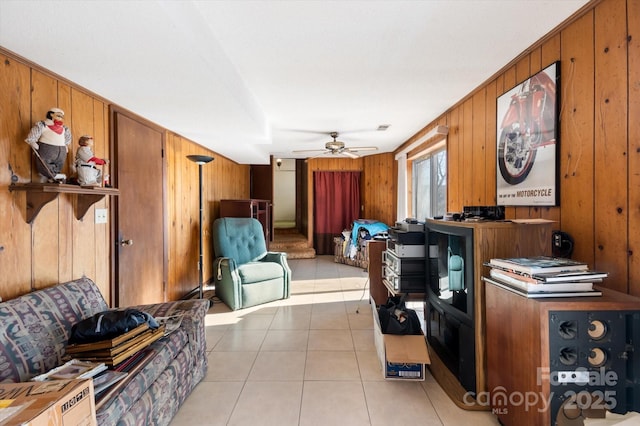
(34,330)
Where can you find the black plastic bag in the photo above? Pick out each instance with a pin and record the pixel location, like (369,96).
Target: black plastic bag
(109,324)
(396,318)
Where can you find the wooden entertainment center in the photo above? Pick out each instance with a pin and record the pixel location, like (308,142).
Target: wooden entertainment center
(490,239)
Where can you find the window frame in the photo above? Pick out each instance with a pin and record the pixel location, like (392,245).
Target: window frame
(428,154)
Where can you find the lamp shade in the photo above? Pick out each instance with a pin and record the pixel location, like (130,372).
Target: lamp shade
(200,159)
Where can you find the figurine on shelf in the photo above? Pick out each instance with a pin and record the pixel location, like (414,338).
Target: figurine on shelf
(86,162)
(50,141)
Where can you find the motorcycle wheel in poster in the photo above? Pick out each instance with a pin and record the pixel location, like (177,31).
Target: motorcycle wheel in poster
(527,140)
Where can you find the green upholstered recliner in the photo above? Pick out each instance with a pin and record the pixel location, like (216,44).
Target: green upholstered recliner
(245,273)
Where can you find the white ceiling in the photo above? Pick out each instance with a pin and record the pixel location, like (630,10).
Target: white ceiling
(249,79)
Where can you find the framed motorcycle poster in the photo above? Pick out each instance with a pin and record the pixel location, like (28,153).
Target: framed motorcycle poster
(527,141)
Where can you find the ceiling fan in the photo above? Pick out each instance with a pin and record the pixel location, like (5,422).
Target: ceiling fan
(336,147)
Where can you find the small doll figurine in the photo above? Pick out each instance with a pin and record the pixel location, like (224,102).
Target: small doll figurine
(86,162)
(50,141)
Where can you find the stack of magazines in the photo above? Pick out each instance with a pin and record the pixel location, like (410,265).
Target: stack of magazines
(543,276)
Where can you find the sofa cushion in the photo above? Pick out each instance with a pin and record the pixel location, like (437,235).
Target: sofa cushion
(35,328)
(254,272)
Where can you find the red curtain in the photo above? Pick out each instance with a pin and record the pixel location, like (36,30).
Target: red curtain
(336,206)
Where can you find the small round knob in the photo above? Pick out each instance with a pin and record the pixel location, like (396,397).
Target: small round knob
(124,243)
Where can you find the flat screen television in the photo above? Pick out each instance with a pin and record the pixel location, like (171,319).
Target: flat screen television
(450,269)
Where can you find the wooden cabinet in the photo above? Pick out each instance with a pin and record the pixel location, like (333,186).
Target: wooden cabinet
(536,346)
(258,209)
(490,239)
(377,289)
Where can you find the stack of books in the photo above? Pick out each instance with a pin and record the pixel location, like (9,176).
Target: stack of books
(543,276)
(114,351)
(103,378)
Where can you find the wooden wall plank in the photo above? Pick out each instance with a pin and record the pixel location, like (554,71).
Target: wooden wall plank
(550,53)
(82,235)
(479,142)
(46,228)
(576,137)
(454,159)
(15,233)
(102,237)
(173,212)
(66,216)
(491,140)
(535,60)
(633,30)
(466,128)
(611,188)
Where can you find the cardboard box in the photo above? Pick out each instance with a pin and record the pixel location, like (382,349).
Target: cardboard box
(55,402)
(401,357)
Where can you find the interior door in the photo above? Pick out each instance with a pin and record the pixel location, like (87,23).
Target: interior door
(140,271)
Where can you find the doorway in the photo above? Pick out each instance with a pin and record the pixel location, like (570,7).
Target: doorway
(284,194)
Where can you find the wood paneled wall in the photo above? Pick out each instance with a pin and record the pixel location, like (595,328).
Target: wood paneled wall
(57,247)
(222,179)
(378,184)
(379,188)
(599,141)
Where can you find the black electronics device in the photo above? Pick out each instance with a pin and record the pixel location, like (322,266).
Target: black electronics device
(483,212)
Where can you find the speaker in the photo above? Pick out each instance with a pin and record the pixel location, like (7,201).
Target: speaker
(593,365)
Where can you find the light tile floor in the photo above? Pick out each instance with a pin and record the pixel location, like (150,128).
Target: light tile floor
(310,360)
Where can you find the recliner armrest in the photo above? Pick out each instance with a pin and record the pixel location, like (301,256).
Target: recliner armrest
(221,264)
(280,258)
(274,256)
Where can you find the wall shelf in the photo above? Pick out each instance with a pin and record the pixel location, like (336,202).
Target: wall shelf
(39,194)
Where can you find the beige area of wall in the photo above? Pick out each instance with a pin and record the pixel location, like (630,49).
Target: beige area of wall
(284,194)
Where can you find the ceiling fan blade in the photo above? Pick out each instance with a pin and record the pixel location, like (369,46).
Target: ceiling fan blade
(307,150)
(350,153)
(363,148)
(308,131)
(316,156)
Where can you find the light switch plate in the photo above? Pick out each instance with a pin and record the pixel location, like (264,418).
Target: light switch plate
(101,215)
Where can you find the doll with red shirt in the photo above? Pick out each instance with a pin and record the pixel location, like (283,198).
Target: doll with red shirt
(86,162)
(50,141)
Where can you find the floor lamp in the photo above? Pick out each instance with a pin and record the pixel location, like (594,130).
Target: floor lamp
(200,160)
